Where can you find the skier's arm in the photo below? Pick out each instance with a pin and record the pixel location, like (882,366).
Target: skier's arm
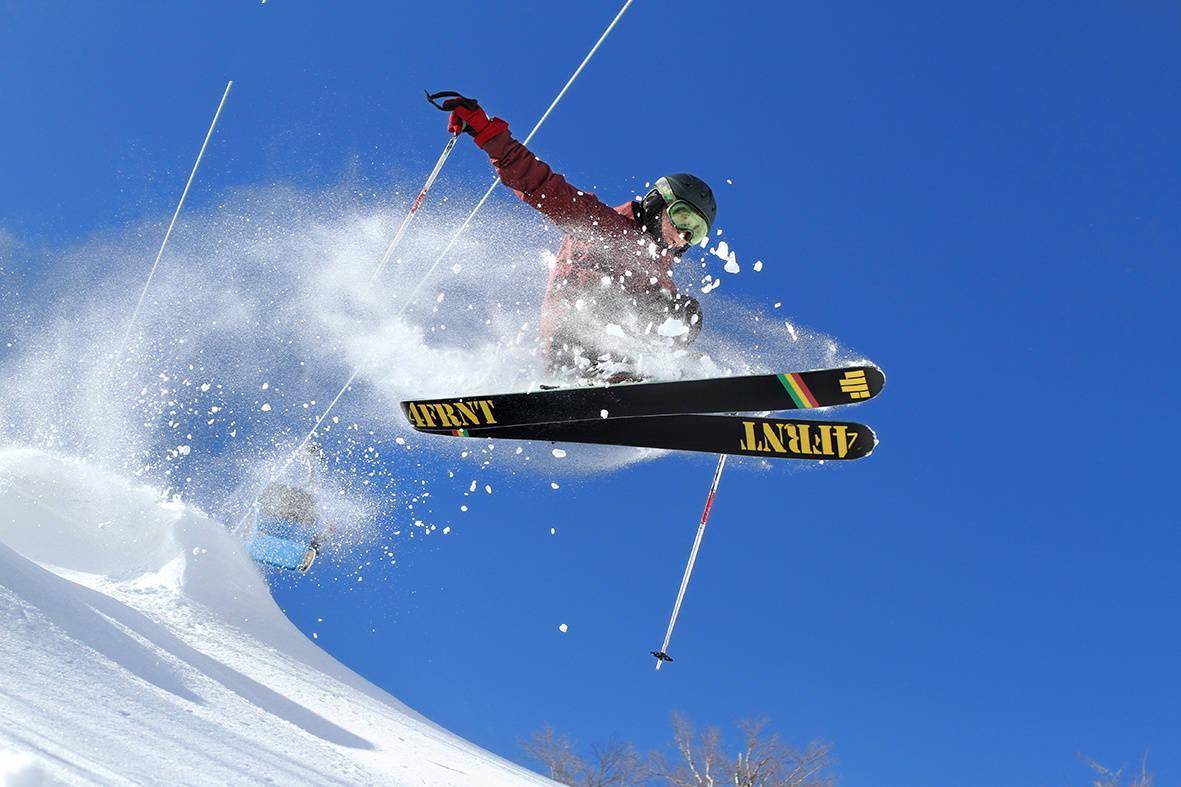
(577,212)
(535,182)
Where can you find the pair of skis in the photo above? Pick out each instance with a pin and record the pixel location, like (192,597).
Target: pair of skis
(679,416)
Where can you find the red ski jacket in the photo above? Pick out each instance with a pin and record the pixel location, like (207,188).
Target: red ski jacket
(607,262)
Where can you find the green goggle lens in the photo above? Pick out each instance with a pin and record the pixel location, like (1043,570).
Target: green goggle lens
(686,219)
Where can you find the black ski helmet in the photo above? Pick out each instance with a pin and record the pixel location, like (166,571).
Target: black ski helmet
(691,189)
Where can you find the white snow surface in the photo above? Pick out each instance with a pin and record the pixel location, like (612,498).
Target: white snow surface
(139,644)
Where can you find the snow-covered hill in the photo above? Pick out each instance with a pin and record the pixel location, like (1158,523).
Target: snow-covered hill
(139,644)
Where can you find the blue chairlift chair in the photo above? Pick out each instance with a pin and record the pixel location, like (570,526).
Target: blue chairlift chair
(287,529)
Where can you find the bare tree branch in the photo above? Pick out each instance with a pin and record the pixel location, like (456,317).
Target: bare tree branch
(764,760)
(1105,777)
(612,765)
(557,753)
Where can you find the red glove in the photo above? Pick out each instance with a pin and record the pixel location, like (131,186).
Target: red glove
(466,115)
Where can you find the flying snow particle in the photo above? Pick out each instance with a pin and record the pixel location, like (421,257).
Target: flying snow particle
(463,508)
(488,488)
(265,386)
(266,408)
(447,530)
(778,304)
(723,252)
(672,328)
(614,330)
(559,453)
(602,413)
(792,330)
(758,266)
(553,485)
(563,628)
(553,531)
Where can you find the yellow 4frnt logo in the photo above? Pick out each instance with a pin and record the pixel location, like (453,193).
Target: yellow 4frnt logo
(455,414)
(811,439)
(855,384)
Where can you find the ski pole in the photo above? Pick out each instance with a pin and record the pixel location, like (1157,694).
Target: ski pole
(389,252)
(662,654)
(430,181)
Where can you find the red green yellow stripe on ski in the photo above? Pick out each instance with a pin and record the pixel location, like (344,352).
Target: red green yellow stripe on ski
(798,390)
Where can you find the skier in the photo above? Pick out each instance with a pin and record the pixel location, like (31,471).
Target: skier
(612,279)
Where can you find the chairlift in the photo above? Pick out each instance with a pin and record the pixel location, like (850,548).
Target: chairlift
(287,531)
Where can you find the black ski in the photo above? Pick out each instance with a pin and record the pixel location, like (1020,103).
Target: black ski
(761,392)
(771,438)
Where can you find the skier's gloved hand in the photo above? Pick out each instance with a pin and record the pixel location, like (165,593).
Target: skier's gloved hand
(466,115)
(687,309)
(662,305)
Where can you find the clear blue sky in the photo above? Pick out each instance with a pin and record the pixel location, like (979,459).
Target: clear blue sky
(985,201)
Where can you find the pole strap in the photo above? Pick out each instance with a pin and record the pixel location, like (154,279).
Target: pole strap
(468,103)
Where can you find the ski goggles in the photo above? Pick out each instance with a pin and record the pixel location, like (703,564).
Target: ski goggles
(683,215)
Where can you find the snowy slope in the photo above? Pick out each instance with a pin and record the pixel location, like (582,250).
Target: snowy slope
(139,644)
